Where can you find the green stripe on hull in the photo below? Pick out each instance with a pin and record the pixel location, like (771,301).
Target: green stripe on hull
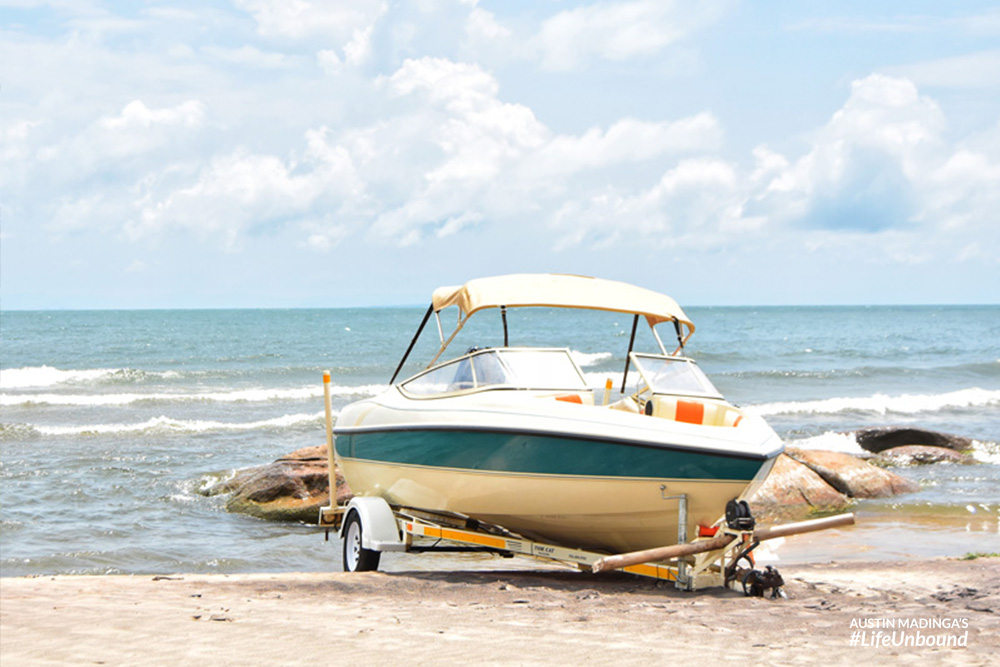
(541,454)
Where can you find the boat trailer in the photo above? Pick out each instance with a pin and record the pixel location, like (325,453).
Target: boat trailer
(369,526)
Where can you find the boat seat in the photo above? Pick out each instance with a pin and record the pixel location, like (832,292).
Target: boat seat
(693,411)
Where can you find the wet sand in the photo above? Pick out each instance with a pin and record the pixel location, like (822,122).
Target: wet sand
(526,616)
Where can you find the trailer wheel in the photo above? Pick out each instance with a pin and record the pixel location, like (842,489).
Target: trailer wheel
(356,557)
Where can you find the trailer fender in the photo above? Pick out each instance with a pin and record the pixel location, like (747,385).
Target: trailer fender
(380,531)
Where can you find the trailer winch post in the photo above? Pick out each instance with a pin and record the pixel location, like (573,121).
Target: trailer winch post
(331,456)
(683,580)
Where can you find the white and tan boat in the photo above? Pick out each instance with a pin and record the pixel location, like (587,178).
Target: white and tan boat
(513,436)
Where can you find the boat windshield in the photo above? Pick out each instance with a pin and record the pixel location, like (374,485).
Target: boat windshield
(518,368)
(674,375)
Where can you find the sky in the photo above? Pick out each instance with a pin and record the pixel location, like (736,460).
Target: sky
(297,153)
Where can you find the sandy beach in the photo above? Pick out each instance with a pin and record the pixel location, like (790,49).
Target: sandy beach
(833,615)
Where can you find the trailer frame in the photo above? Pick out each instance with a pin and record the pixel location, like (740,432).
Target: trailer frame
(387,528)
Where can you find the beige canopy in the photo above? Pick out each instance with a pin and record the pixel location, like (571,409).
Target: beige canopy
(560,291)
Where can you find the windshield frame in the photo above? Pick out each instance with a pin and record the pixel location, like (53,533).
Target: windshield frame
(511,380)
(653,378)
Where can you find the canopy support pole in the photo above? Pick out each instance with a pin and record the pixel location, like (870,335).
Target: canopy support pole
(680,337)
(413,342)
(628,356)
(445,344)
(659,342)
(503,315)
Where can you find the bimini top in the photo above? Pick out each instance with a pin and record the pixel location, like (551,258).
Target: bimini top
(560,291)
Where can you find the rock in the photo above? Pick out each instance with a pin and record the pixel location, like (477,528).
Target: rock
(292,488)
(920,455)
(794,490)
(852,476)
(879,439)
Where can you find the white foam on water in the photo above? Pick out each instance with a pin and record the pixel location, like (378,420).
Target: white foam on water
(584,359)
(36,377)
(830,441)
(47,376)
(883,404)
(986,452)
(235,396)
(167,425)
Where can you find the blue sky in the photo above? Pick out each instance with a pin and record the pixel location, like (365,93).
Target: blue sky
(291,153)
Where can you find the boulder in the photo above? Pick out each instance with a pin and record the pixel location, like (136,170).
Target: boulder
(852,476)
(879,439)
(794,490)
(292,488)
(919,455)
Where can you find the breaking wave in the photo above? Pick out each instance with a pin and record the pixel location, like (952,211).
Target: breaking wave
(36,377)
(168,425)
(881,404)
(585,359)
(235,396)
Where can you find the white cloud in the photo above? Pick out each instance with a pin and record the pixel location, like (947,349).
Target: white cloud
(16,148)
(357,51)
(453,156)
(963,193)
(865,167)
(109,149)
(482,25)
(329,61)
(249,56)
(695,203)
(619,31)
(137,115)
(436,124)
(243,192)
(627,140)
(471,140)
(880,173)
(486,159)
(298,19)
(323,235)
(458,85)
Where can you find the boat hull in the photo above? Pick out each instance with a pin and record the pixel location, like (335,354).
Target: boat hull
(590,493)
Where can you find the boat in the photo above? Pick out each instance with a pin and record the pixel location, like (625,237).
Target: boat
(516,437)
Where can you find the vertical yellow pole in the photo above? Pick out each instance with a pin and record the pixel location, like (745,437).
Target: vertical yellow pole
(607,390)
(331,458)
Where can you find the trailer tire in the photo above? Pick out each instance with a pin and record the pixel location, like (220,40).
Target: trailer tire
(356,557)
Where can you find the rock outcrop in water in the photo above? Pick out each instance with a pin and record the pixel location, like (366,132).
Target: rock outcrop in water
(920,455)
(805,482)
(793,490)
(292,488)
(876,440)
(854,477)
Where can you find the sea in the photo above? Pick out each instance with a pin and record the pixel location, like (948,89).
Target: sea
(113,422)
